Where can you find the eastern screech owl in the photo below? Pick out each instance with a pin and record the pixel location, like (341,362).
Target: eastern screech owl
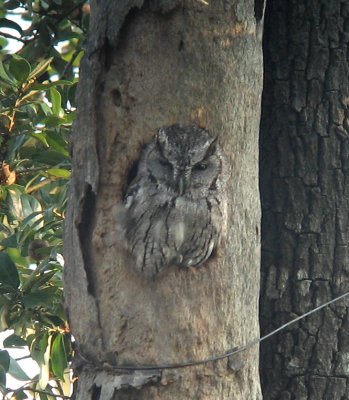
(173,209)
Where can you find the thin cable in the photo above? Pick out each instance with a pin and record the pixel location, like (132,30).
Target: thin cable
(231,352)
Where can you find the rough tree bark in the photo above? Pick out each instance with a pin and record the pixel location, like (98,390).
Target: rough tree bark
(150,64)
(305,198)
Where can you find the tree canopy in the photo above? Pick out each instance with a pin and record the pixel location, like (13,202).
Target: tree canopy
(37,109)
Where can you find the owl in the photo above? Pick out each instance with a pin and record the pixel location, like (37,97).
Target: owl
(174,207)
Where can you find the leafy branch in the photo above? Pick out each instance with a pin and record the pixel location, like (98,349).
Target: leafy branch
(28,387)
(36,115)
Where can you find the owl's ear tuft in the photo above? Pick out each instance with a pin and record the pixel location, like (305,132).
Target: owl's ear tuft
(212,147)
(132,172)
(162,138)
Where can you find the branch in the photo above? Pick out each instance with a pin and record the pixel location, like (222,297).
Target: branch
(39,185)
(29,389)
(9,36)
(49,394)
(71,62)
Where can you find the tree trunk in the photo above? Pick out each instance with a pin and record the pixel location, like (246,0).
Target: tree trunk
(151,64)
(305,198)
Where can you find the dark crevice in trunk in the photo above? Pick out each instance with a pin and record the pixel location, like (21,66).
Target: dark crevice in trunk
(85,229)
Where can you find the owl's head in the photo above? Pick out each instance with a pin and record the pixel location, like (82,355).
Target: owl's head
(185,161)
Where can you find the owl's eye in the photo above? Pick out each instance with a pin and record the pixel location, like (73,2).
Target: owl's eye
(163,162)
(200,166)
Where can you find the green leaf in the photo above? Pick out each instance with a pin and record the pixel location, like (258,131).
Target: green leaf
(2,378)
(50,320)
(19,68)
(53,120)
(3,42)
(38,347)
(21,395)
(8,271)
(41,280)
(41,137)
(59,173)
(14,341)
(56,141)
(11,4)
(4,314)
(17,257)
(22,205)
(46,86)
(69,118)
(56,101)
(14,204)
(45,108)
(40,298)
(26,235)
(16,371)
(43,396)
(10,241)
(6,23)
(6,289)
(66,35)
(5,228)
(49,157)
(50,225)
(30,205)
(31,218)
(72,94)
(58,357)
(45,366)
(4,360)
(4,75)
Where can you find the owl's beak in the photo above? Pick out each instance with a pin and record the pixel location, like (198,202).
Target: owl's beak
(179,181)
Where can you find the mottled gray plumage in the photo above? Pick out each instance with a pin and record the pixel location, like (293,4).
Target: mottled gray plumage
(173,210)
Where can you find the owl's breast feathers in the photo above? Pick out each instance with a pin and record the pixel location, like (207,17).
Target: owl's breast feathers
(174,206)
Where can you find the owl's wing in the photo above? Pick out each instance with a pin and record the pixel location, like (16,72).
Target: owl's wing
(140,189)
(132,191)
